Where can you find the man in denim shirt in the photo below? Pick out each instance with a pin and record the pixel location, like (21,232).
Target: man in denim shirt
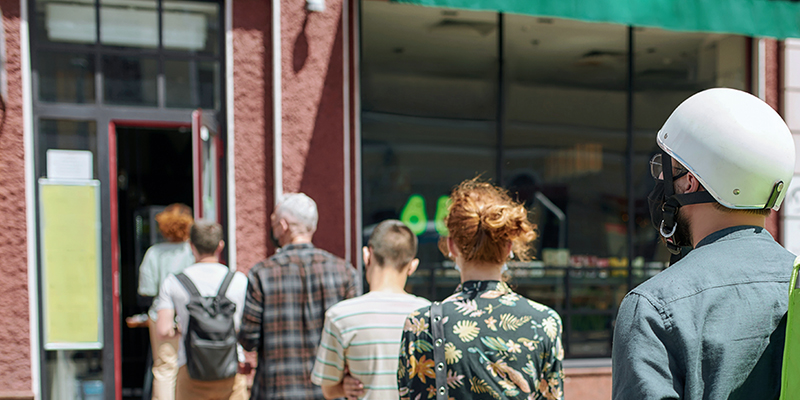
(712,326)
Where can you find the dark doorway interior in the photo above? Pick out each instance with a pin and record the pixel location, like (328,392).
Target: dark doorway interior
(154,170)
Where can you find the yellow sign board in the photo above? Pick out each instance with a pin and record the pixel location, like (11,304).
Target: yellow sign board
(71,264)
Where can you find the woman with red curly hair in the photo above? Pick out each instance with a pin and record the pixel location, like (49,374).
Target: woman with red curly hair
(484,341)
(161,260)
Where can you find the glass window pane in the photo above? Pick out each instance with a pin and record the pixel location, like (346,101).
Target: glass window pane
(565,158)
(428,120)
(192,84)
(191,26)
(72,21)
(66,77)
(75,374)
(590,335)
(66,135)
(129,23)
(670,67)
(565,140)
(130,80)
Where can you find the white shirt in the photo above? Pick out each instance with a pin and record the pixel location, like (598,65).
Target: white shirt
(160,261)
(207,278)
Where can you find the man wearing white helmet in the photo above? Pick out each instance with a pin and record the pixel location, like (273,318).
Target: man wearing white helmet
(712,326)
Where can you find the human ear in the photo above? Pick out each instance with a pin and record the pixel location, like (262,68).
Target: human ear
(414,264)
(365,253)
(451,247)
(693,184)
(687,184)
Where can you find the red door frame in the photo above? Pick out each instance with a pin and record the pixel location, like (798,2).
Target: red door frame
(197,167)
(115,252)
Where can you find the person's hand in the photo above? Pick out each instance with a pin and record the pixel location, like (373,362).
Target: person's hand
(353,388)
(137,321)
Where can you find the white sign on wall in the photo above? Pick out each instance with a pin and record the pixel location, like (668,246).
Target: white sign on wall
(69,164)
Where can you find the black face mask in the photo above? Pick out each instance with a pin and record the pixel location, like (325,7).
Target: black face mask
(664,206)
(274,239)
(674,236)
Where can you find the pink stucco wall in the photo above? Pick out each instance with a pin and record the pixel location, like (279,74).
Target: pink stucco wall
(252,87)
(15,356)
(312,103)
(313,131)
(773,99)
(587,383)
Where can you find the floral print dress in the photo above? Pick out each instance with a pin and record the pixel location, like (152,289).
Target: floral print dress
(499,345)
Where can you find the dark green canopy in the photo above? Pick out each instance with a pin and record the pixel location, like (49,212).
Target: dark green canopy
(773,18)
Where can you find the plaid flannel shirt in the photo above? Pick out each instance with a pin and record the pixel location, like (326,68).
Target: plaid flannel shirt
(287,296)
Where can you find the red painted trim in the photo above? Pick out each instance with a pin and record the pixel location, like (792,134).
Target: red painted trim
(150,124)
(219,153)
(112,187)
(197,163)
(115,251)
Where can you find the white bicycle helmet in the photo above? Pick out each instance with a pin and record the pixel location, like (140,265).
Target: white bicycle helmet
(736,145)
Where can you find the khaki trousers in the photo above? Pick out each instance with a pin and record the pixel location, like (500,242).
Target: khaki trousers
(165,364)
(234,388)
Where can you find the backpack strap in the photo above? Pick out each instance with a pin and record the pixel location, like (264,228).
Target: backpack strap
(187,283)
(223,288)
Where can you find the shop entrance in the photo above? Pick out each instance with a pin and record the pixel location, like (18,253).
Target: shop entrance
(154,169)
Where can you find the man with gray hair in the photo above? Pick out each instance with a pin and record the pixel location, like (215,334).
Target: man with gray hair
(287,296)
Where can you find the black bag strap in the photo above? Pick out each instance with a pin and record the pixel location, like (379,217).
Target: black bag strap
(192,289)
(224,287)
(437,325)
(188,284)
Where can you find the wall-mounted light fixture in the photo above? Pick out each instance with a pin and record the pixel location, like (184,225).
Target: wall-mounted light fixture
(315,5)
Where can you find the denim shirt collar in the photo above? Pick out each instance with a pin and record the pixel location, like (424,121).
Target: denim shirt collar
(734,232)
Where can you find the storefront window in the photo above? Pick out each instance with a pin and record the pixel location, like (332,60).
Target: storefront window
(71,21)
(428,117)
(129,23)
(66,77)
(191,26)
(150,53)
(55,134)
(543,110)
(191,84)
(130,80)
(564,152)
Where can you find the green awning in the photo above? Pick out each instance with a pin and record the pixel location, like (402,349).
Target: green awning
(771,18)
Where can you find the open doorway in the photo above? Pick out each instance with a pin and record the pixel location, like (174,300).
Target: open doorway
(154,169)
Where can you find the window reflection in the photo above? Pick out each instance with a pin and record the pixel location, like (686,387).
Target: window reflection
(427,119)
(129,23)
(191,84)
(430,119)
(66,77)
(192,26)
(60,134)
(130,80)
(72,21)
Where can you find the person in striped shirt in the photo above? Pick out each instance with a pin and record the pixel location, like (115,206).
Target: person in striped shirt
(360,343)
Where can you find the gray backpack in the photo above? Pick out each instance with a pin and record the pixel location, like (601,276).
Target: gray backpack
(210,339)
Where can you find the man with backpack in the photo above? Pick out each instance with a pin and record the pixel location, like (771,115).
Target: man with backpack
(208,300)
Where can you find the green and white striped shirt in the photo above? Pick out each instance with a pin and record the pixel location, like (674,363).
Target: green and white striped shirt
(364,334)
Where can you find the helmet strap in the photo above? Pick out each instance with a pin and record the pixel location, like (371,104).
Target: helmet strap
(673,202)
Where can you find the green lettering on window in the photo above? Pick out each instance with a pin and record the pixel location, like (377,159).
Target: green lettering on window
(442,208)
(413,214)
